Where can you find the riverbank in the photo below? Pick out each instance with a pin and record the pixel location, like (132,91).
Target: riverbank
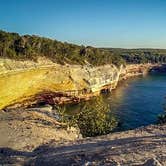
(143,146)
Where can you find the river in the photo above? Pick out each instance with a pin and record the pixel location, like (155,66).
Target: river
(135,102)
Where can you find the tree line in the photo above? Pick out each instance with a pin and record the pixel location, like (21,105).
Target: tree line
(140,55)
(13,45)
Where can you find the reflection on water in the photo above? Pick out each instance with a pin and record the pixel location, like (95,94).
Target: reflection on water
(135,102)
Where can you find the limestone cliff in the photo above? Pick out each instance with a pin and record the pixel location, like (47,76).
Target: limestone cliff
(132,70)
(38,80)
(45,81)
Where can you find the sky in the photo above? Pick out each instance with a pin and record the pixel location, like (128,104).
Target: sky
(99,23)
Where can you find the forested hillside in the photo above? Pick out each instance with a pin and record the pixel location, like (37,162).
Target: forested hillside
(12,45)
(139,55)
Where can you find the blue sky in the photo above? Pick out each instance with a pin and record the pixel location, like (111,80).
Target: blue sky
(100,23)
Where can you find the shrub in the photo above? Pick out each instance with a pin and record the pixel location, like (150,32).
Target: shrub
(93,118)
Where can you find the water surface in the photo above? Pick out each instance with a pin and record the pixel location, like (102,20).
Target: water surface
(135,102)
(138,101)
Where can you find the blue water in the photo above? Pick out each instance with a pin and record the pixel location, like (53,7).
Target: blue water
(138,101)
(135,102)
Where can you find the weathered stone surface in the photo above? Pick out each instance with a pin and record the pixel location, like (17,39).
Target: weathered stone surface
(18,84)
(152,162)
(142,146)
(27,129)
(53,83)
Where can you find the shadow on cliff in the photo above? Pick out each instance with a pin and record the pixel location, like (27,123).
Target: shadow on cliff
(81,151)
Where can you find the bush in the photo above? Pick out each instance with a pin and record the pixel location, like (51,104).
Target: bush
(162,119)
(93,118)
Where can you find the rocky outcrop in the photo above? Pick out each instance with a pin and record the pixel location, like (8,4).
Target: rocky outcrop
(29,82)
(133,70)
(144,146)
(26,129)
(52,82)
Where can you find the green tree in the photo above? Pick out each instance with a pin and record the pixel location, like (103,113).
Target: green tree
(95,118)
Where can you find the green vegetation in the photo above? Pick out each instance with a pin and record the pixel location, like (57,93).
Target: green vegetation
(162,117)
(140,55)
(13,45)
(93,118)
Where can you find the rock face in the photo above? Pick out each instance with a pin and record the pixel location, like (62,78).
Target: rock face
(137,69)
(26,129)
(38,82)
(45,81)
(144,146)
